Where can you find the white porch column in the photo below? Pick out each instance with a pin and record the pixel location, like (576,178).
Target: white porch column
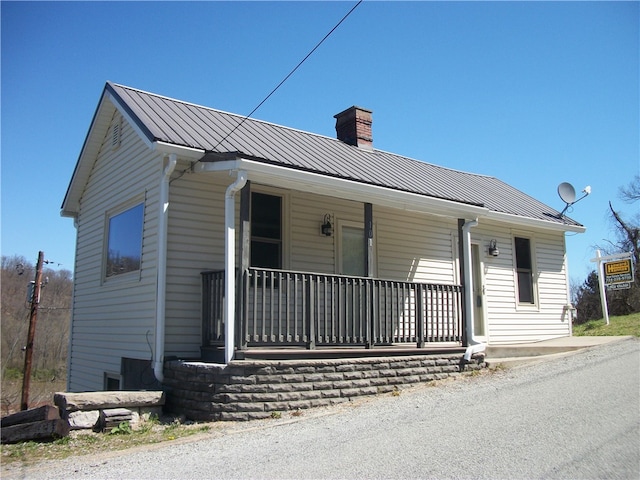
(230,264)
(473,346)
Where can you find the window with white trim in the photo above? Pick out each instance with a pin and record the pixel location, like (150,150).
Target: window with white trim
(524,270)
(266,230)
(124,241)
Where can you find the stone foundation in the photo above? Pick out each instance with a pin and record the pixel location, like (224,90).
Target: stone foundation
(247,390)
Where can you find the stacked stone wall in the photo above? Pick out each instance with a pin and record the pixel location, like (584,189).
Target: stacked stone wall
(247,390)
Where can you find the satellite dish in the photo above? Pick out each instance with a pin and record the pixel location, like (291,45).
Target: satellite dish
(567,192)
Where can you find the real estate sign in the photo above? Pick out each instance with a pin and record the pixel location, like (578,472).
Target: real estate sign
(615,272)
(619,271)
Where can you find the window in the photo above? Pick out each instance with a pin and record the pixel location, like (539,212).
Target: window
(266,230)
(353,251)
(111,382)
(524,270)
(124,244)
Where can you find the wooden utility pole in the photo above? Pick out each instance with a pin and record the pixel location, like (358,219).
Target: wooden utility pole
(33,317)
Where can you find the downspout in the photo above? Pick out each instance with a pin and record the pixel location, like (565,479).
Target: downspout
(230,264)
(73,306)
(161,287)
(473,346)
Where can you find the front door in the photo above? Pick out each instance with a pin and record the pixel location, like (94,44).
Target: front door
(351,251)
(478,293)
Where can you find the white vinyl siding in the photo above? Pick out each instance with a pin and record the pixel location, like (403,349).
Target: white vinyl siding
(309,249)
(113,319)
(507,321)
(195,244)
(415,248)
(409,247)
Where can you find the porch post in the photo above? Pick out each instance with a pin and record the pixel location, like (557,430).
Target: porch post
(245,260)
(461,261)
(230,264)
(368,272)
(466,258)
(368,240)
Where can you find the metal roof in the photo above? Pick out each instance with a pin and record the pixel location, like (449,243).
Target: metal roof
(184,124)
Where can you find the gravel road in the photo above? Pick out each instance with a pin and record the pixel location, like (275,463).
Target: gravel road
(572,417)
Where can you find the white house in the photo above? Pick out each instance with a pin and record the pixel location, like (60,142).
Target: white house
(203,234)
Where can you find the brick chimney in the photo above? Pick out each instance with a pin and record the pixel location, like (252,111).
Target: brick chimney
(353,126)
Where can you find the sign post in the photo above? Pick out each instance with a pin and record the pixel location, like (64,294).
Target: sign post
(614,271)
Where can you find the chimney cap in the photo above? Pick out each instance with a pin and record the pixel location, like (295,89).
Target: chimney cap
(353,127)
(352,109)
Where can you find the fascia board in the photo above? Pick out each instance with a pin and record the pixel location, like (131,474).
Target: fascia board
(331,186)
(126,113)
(145,134)
(533,222)
(183,152)
(82,168)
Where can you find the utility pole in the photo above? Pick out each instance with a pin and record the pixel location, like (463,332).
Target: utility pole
(33,317)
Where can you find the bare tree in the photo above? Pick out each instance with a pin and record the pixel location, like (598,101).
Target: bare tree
(631,193)
(52,331)
(627,233)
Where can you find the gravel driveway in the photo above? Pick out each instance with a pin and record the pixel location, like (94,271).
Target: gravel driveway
(572,417)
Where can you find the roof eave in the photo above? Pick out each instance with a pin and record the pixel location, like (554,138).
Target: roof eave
(325,185)
(278,175)
(518,220)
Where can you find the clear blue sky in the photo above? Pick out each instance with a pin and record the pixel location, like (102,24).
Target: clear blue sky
(532,93)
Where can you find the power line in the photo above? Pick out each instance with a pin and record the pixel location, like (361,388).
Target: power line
(244,119)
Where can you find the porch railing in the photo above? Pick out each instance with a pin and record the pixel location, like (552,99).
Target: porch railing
(282,308)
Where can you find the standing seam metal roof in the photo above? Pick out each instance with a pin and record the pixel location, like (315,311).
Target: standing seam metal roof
(185,124)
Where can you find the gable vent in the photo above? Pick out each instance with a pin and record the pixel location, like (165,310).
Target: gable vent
(116,134)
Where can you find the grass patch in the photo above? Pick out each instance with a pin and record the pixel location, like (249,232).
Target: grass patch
(85,442)
(618,325)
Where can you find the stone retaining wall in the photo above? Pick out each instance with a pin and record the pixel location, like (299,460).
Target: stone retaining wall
(247,390)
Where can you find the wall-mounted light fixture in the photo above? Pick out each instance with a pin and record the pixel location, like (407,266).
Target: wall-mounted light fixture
(493,248)
(327,228)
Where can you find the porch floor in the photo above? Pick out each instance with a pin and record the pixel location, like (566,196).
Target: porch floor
(333,352)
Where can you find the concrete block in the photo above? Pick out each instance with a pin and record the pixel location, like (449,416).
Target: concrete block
(111,399)
(80,420)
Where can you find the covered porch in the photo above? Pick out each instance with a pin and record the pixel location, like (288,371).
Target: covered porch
(250,305)
(285,314)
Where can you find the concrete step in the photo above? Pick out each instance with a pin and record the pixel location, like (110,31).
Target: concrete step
(530,350)
(517,354)
(497,362)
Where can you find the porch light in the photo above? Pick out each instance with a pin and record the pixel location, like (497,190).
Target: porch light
(326,228)
(493,248)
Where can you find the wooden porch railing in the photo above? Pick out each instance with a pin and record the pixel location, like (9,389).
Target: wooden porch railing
(286,308)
